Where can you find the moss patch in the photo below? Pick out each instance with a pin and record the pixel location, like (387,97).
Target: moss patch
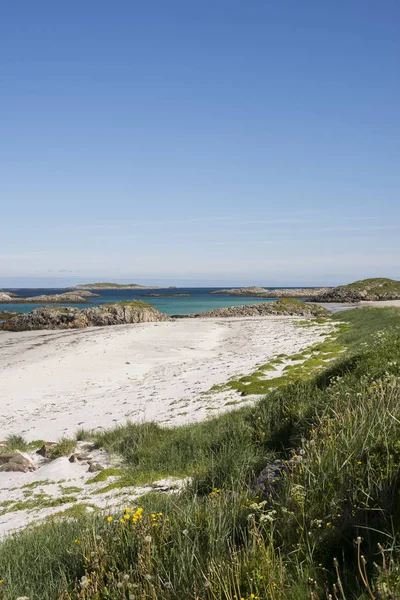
(104,475)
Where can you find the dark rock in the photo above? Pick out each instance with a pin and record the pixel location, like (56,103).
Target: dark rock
(271,476)
(95,467)
(46,449)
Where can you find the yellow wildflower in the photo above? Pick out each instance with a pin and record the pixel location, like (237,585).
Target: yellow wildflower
(109,519)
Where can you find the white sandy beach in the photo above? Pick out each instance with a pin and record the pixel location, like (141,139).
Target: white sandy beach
(53,382)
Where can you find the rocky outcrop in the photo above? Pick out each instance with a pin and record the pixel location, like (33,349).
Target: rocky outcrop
(6,297)
(281,307)
(86,294)
(259,292)
(67,297)
(15,462)
(60,317)
(365,289)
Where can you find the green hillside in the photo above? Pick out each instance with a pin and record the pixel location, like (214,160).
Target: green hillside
(373,289)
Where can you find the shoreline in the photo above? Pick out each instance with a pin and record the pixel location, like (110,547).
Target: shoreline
(54,382)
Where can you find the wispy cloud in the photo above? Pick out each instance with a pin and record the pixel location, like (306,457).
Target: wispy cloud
(305,217)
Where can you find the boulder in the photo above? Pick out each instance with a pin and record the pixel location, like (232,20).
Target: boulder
(46,449)
(16,461)
(78,457)
(12,467)
(271,476)
(95,467)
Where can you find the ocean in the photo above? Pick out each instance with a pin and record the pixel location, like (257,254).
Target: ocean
(199,299)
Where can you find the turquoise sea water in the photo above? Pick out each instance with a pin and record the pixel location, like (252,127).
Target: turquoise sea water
(200,299)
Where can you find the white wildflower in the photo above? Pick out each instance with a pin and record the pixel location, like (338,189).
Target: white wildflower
(268,517)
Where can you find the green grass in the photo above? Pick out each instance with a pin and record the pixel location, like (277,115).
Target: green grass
(375,284)
(314,357)
(5,315)
(16,442)
(132,304)
(218,539)
(104,475)
(293,306)
(64,447)
(37,501)
(70,489)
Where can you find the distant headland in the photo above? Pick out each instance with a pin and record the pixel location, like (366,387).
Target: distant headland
(106,285)
(373,289)
(260,292)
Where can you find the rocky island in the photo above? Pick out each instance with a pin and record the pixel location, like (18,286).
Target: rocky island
(67,297)
(63,317)
(117,286)
(374,289)
(289,307)
(260,292)
(165,295)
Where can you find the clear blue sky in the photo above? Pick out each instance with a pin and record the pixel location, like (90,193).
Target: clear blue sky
(221,141)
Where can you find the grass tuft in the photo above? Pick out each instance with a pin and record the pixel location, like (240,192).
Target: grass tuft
(16,442)
(64,447)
